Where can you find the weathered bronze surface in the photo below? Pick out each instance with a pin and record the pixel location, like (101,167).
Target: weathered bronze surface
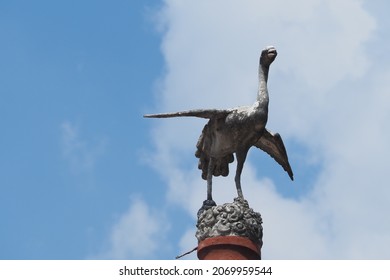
(236,130)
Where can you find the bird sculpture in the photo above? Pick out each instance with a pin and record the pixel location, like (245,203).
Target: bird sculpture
(236,130)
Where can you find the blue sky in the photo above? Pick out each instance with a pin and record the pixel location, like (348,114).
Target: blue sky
(84,176)
(75,79)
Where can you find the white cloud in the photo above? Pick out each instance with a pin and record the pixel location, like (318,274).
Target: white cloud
(81,154)
(138,234)
(184,243)
(324,94)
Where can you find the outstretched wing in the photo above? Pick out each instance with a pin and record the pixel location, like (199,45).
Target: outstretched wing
(273,145)
(199,113)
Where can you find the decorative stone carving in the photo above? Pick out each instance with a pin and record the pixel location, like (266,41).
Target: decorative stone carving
(230,219)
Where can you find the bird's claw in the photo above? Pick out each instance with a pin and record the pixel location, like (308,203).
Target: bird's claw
(207,204)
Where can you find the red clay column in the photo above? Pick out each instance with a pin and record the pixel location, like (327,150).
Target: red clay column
(228,248)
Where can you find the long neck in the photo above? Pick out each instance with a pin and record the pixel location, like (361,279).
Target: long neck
(262,94)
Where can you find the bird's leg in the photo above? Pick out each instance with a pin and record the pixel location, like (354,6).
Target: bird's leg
(241,156)
(210,170)
(209,202)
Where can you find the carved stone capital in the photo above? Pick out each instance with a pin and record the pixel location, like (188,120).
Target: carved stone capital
(230,219)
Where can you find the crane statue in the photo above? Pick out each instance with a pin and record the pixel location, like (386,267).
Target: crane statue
(236,130)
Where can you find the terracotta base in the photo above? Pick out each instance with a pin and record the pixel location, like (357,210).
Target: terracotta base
(228,248)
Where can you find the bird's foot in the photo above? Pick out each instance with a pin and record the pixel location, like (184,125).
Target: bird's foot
(241,200)
(207,204)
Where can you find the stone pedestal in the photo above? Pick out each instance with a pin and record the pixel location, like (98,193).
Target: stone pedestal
(232,231)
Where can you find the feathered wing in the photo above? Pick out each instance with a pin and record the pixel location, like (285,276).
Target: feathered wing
(221,166)
(199,113)
(273,145)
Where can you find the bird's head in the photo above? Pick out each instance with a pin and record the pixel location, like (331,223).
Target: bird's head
(268,55)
